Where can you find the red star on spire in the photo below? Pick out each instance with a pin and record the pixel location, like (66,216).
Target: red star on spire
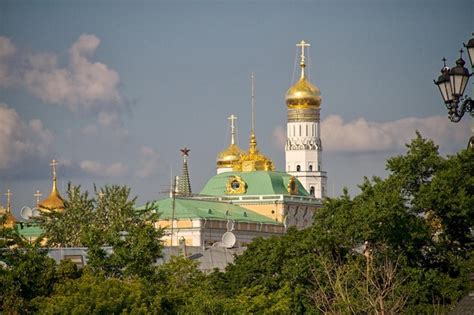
(185,151)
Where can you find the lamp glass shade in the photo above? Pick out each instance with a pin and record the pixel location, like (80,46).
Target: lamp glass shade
(470,50)
(458,78)
(445,88)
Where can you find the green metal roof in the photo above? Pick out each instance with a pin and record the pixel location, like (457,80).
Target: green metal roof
(29,229)
(201,209)
(258,183)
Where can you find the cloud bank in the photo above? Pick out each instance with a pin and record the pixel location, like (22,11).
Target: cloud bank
(80,85)
(361,135)
(20,140)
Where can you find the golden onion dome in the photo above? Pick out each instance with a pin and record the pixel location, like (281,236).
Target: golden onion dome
(253,160)
(54,202)
(303,94)
(229,156)
(10,220)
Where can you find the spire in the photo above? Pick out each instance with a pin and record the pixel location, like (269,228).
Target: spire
(184,185)
(38,194)
(53,167)
(232,118)
(253,139)
(9,201)
(302,44)
(10,219)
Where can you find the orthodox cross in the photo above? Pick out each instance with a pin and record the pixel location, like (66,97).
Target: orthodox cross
(302,44)
(38,195)
(54,164)
(101,194)
(8,194)
(232,120)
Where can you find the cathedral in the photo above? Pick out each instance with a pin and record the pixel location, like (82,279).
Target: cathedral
(247,197)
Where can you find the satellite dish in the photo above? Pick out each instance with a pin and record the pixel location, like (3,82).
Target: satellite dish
(26,213)
(36,213)
(228,239)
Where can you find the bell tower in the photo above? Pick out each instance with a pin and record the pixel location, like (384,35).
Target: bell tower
(303,149)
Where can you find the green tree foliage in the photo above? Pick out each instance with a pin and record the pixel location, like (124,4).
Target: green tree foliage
(120,240)
(419,218)
(96,294)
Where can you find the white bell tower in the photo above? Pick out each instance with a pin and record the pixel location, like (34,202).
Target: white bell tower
(303,149)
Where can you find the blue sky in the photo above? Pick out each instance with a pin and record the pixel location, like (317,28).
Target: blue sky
(113,89)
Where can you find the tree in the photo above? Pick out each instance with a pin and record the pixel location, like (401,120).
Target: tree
(108,220)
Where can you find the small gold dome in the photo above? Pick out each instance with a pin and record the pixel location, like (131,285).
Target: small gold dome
(303,94)
(229,156)
(54,202)
(253,160)
(10,220)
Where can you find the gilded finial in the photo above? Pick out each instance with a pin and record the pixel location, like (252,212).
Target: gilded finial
(38,195)
(232,118)
(302,44)
(8,194)
(253,138)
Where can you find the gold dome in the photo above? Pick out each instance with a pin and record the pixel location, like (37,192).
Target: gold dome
(54,202)
(10,220)
(229,156)
(303,94)
(253,160)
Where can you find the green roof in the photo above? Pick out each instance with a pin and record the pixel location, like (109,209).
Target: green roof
(258,183)
(29,229)
(201,209)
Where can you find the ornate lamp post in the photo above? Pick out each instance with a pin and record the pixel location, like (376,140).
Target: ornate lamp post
(452,83)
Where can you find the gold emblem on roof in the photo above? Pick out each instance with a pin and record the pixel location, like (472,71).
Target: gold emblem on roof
(235,186)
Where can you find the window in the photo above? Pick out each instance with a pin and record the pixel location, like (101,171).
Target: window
(298,168)
(310,168)
(311,191)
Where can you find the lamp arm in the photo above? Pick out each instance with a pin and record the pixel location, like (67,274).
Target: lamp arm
(455,115)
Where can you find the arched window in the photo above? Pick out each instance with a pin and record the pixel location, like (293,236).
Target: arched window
(311,191)
(298,168)
(310,167)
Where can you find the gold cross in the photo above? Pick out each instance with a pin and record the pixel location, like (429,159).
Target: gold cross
(302,44)
(38,195)
(232,119)
(8,194)
(101,195)
(54,164)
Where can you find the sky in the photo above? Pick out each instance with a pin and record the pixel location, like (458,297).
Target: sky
(113,89)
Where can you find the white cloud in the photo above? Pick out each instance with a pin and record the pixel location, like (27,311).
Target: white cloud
(7,49)
(20,140)
(100,170)
(361,135)
(149,161)
(80,84)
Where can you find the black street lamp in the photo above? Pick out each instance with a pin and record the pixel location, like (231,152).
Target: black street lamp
(452,83)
